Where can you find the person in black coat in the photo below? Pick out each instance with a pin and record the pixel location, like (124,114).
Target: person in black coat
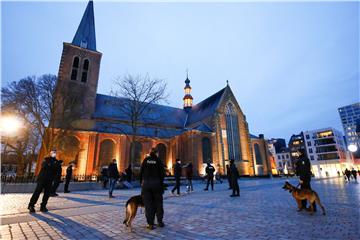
(114,175)
(104,177)
(68,177)
(177,175)
(210,176)
(152,188)
(57,178)
(228,173)
(354,173)
(128,172)
(303,171)
(234,179)
(44,182)
(189,174)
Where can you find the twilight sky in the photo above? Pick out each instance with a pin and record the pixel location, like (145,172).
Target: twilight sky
(290,65)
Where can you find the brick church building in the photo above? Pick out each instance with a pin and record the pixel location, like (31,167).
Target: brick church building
(213,130)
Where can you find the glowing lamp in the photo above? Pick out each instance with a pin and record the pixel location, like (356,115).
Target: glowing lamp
(352,148)
(9,124)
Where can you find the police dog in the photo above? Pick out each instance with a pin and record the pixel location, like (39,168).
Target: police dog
(301,194)
(131,208)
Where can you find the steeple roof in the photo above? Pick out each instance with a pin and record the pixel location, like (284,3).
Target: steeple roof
(85,34)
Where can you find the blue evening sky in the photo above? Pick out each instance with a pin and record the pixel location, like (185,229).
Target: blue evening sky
(290,65)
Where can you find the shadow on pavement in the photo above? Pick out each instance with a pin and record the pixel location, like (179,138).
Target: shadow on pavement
(68,227)
(95,202)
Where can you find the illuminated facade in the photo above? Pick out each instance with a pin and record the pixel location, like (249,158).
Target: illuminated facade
(213,130)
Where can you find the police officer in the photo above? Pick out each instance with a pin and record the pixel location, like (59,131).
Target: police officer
(57,178)
(210,176)
(151,181)
(68,177)
(303,170)
(234,175)
(44,182)
(177,175)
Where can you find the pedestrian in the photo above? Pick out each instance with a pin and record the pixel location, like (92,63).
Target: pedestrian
(234,179)
(228,174)
(210,176)
(113,177)
(152,188)
(177,175)
(354,173)
(104,177)
(303,171)
(128,173)
(348,174)
(189,174)
(44,182)
(68,177)
(57,178)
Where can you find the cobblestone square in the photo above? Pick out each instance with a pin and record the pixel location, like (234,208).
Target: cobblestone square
(263,211)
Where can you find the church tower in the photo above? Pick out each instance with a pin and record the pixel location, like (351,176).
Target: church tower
(188,99)
(80,65)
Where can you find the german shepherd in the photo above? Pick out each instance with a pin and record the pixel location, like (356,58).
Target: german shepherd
(131,208)
(301,194)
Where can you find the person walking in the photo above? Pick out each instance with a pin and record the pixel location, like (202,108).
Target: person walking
(354,173)
(348,174)
(228,174)
(177,175)
(113,177)
(303,171)
(189,174)
(68,177)
(210,176)
(104,177)
(152,188)
(57,178)
(128,173)
(234,179)
(44,182)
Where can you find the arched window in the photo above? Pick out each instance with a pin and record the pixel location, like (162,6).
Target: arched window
(85,70)
(107,152)
(69,147)
(75,67)
(162,152)
(136,159)
(258,157)
(232,132)
(206,150)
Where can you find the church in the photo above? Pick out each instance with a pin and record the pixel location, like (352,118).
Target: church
(213,131)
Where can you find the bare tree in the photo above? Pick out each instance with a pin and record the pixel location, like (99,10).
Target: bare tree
(141,93)
(47,107)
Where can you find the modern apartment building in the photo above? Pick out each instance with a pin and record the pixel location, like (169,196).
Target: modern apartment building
(350,119)
(326,151)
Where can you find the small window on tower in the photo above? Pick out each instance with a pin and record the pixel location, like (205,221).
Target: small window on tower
(85,70)
(86,65)
(76,62)
(75,67)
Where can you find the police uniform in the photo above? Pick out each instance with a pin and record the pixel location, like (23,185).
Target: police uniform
(234,174)
(303,170)
(151,181)
(44,182)
(210,176)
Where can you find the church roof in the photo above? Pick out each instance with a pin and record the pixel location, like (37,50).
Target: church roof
(85,34)
(204,108)
(162,121)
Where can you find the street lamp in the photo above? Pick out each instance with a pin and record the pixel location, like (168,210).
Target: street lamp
(9,125)
(352,148)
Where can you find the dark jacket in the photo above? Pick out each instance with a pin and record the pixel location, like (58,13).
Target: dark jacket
(58,170)
(189,171)
(128,172)
(48,169)
(177,170)
(152,173)
(113,171)
(234,174)
(210,171)
(69,172)
(303,168)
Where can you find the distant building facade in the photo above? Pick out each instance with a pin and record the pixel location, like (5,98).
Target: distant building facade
(350,119)
(326,151)
(277,147)
(212,131)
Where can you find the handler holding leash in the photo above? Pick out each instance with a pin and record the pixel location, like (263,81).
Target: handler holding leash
(303,170)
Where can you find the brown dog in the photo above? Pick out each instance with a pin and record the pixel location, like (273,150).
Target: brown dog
(301,194)
(131,208)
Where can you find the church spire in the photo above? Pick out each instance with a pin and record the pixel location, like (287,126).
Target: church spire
(85,34)
(188,99)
